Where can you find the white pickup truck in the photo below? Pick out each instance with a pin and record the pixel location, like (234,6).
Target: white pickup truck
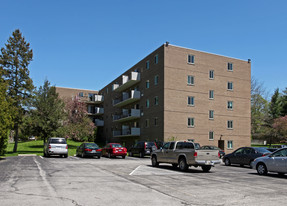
(184,154)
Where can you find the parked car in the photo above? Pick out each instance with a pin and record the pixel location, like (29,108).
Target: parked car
(244,155)
(89,150)
(275,162)
(113,150)
(272,149)
(142,148)
(56,146)
(210,147)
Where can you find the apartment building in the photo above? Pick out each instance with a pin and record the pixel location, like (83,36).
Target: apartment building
(176,93)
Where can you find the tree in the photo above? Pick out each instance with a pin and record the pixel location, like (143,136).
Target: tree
(284,103)
(280,127)
(78,126)
(275,105)
(15,58)
(5,115)
(48,113)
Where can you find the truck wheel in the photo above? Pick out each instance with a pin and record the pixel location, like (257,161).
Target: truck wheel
(182,164)
(154,162)
(206,168)
(227,162)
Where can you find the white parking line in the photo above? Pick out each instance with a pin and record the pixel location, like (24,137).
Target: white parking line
(135,170)
(41,157)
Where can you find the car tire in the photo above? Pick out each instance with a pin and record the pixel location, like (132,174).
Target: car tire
(154,162)
(174,165)
(141,155)
(99,157)
(227,162)
(182,164)
(66,156)
(261,169)
(206,168)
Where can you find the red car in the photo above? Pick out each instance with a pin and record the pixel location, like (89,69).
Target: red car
(113,150)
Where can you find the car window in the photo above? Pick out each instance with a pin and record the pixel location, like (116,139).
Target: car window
(58,141)
(166,145)
(262,150)
(247,151)
(171,146)
(91,146)
(150,144)
(280,153)
(188,145)
(116,145)
(239,151)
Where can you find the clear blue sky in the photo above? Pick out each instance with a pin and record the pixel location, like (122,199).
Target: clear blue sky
(87,44)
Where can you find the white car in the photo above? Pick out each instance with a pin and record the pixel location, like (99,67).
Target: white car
(56,146)
(275,162)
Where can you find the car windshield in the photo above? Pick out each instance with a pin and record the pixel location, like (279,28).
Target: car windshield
(150,144)
(58,141)
(92,146)
(262,150)
(116,145)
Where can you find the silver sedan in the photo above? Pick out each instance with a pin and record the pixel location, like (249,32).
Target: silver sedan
(275,162)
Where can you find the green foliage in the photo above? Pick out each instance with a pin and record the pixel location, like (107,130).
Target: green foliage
(284,103)
(14,59)
(280,127)
(48,113)
(275,105)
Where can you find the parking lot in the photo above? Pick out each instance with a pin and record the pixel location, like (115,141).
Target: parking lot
(132,181)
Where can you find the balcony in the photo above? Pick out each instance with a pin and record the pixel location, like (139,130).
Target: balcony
(127,115)
(97,98)
(92,110)
(127,98)
(99,123)
(127,81)
(129,132)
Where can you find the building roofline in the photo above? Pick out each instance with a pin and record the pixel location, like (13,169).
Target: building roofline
(77,89)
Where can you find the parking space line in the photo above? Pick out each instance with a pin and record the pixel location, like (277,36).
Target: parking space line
(41,157)
(135,170)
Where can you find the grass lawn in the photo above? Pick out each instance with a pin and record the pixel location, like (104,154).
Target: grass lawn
(36,147)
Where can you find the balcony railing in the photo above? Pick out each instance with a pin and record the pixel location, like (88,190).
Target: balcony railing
(98,98)
(95,110)
(127,98)
(130,132)
(99,123)
(127,81)
(127,115)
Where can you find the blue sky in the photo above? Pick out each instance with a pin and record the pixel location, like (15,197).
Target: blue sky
(86,44)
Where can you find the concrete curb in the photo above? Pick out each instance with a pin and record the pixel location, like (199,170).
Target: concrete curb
(28,155)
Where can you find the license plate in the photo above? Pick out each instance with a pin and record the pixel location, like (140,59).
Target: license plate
(120,150)
(93,151)
(207,162)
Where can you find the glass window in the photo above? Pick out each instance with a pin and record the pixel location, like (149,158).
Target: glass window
(171,146)
(230,124)
(229,144)
(156,59)
(230,67)
(211,135)
(155,121)
(147,123)
(156,100)
(211,74)
(211,94)
(211,114)
(147,84)
(190,122)
(147,65)
(230,85)
(147,103)
(156,80)
(230,105)
(81,94)
(166,145)
(190,80)
(190,101)
(190,59)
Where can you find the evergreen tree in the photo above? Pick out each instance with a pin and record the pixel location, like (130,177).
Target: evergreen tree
(275,105)
(284,103)
(48,113)
(15,58)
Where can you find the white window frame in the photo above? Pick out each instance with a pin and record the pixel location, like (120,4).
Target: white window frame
(211,114)
(190,80)
(190,59)
(211,92)
(230,108)
(190,122)
(211,72)
(230,83)
(190,101)
(230,144)
(229,124)
(211,135)
(230,66)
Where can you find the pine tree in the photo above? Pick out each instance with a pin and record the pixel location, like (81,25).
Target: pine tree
(275,105)
(15,58)
(48,113)
(284,103)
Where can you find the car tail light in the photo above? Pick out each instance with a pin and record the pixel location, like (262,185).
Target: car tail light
(88,150)
(145,145)
(155,145)
(67,147)
(114,150)
(125,149)
(99,150)
(50,146)
(218,154)
(195,154)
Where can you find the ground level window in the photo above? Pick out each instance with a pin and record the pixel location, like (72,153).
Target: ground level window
(190,122)
(229,124)
(229,144)
(211,135)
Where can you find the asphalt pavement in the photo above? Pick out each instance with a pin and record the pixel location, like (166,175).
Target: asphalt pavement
(34,180)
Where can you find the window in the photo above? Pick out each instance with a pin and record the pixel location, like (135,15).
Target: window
(229,144)
(147,65)
(156,100)
(166,145)
(156,80)
(156,59)
(147,84)
(184,145)
(190,122)
(147,103)
(211,74)
(211,94)
(230,67)
(230,105)
(107,90)
(190,59)
(230,85)
(147,123)
(155,121)
(230,124)
(190,80)
(81,94)
(190,101)
(211,135)
(211,114)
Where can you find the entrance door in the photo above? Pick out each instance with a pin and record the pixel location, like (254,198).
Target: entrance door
(221,144)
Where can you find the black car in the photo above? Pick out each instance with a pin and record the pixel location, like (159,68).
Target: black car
(244,155)
(210,147)
(142,149)
(89,150)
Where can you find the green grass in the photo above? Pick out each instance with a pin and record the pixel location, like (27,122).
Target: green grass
(36,147)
